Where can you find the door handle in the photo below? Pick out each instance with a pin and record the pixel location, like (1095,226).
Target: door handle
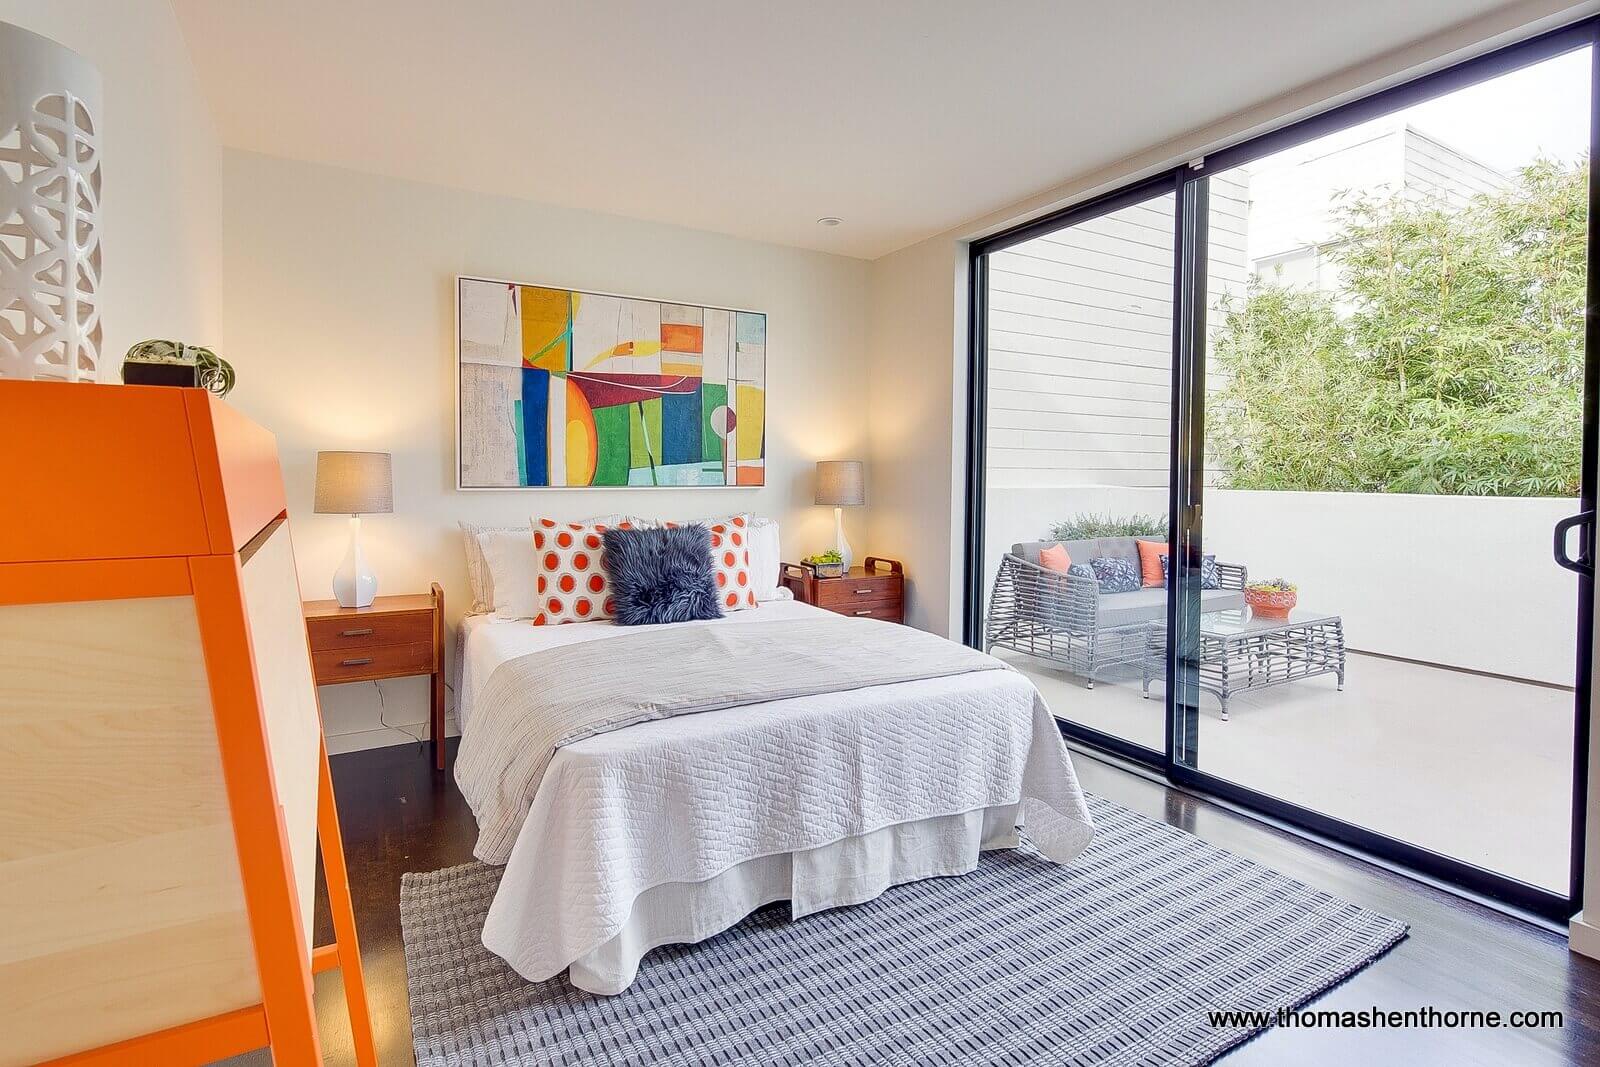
(1583,521)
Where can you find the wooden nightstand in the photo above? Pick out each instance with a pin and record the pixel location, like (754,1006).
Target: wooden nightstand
(396,637)
(874,590)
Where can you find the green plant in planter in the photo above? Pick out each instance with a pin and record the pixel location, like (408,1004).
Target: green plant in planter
(212,372)
(1271,585)
(830,556)
(1087,524)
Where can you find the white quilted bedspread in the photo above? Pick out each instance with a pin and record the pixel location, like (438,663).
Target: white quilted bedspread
(684,799)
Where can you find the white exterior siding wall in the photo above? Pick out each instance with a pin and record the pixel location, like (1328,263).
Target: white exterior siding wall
(1436,169)
(1080,345)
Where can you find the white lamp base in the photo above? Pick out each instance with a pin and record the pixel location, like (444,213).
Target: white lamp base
(840,545)
(354,584)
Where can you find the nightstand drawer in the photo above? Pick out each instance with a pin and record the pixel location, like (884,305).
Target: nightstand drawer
(339,633)
(889,610)
(381,661)
(843,592)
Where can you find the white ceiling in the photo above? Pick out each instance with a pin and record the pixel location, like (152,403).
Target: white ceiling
(756,118)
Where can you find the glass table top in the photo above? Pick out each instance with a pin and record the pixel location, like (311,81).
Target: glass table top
(1236,621)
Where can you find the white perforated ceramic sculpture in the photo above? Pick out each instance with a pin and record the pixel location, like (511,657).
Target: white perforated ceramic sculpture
(49,210)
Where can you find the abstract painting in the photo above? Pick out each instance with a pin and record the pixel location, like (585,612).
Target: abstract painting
(566,388)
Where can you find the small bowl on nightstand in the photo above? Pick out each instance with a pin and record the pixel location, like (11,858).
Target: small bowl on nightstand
(824,568)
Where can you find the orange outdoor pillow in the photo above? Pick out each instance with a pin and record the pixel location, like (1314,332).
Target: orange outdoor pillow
(1150,553)
(1055,558)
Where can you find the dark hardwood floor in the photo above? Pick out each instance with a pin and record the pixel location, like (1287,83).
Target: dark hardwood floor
(398,816)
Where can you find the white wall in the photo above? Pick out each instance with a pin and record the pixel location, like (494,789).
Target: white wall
(1460,581)
(161,208)
(916,467)
(340,313)
(1464,581)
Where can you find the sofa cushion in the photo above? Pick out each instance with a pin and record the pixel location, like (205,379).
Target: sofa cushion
(1078,550)
(1221,599)
(1087,548)
(1125,609)
(1119,548)
(1150,605)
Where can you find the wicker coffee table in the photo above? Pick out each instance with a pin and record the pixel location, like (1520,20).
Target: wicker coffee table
(1241,652)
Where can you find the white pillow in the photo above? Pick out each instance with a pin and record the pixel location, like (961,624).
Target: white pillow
(479,575)
(765,558)
(514,570)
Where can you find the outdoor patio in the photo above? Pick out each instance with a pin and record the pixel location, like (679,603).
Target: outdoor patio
(1475,767)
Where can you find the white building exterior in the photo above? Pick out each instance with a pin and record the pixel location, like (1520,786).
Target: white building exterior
(1296,194)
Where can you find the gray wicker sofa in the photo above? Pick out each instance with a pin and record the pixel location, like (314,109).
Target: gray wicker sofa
(1066,619)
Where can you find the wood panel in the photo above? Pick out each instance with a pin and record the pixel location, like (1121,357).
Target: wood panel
(838,592)
(107,470)
(889,612)
(237,462)
(288,701)
(118,874)
(333,632)
(382,661)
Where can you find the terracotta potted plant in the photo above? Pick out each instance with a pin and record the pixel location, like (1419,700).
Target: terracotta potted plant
(1271,599)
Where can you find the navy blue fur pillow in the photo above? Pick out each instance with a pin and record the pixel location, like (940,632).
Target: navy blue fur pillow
(661,574)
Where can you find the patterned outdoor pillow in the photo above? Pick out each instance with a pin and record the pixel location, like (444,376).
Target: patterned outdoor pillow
(1116,575)
(572,585)
(1209,577)
(1082,570)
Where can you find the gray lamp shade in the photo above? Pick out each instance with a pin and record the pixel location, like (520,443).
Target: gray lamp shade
(354,483)
(841,483)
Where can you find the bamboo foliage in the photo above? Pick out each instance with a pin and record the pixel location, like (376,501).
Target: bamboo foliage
(1449,359)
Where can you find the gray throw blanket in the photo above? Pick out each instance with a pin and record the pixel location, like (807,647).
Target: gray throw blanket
(534,704)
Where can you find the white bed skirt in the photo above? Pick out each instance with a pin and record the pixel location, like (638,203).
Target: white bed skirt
(846,872)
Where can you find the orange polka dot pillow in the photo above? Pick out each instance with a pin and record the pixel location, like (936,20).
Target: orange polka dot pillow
(572,585)
(730,559)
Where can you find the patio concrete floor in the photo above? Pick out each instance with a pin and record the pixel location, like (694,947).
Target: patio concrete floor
(1476,768)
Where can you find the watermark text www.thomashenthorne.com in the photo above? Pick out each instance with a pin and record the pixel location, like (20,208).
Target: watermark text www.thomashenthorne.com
(1376,1018)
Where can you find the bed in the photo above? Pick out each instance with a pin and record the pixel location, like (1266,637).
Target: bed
(673,830)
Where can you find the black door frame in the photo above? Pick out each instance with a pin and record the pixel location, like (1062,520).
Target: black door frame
(1189,184)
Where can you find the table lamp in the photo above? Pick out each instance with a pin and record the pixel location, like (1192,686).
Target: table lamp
(840,482)
(354,484)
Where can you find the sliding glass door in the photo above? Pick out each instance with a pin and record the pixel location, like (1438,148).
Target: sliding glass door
(1340,382)
(1393,425)
(1078,417)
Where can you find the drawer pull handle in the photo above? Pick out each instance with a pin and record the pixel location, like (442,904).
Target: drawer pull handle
(355,633)
(355,662)
(863,590)
(864,611)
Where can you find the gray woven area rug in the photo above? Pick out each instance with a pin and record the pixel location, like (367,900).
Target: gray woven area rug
(1114,960)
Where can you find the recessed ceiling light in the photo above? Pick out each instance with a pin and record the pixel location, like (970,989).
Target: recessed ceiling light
(828,220)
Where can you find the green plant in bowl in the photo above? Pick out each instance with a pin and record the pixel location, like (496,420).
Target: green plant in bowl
(1271,585)
(830,556)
